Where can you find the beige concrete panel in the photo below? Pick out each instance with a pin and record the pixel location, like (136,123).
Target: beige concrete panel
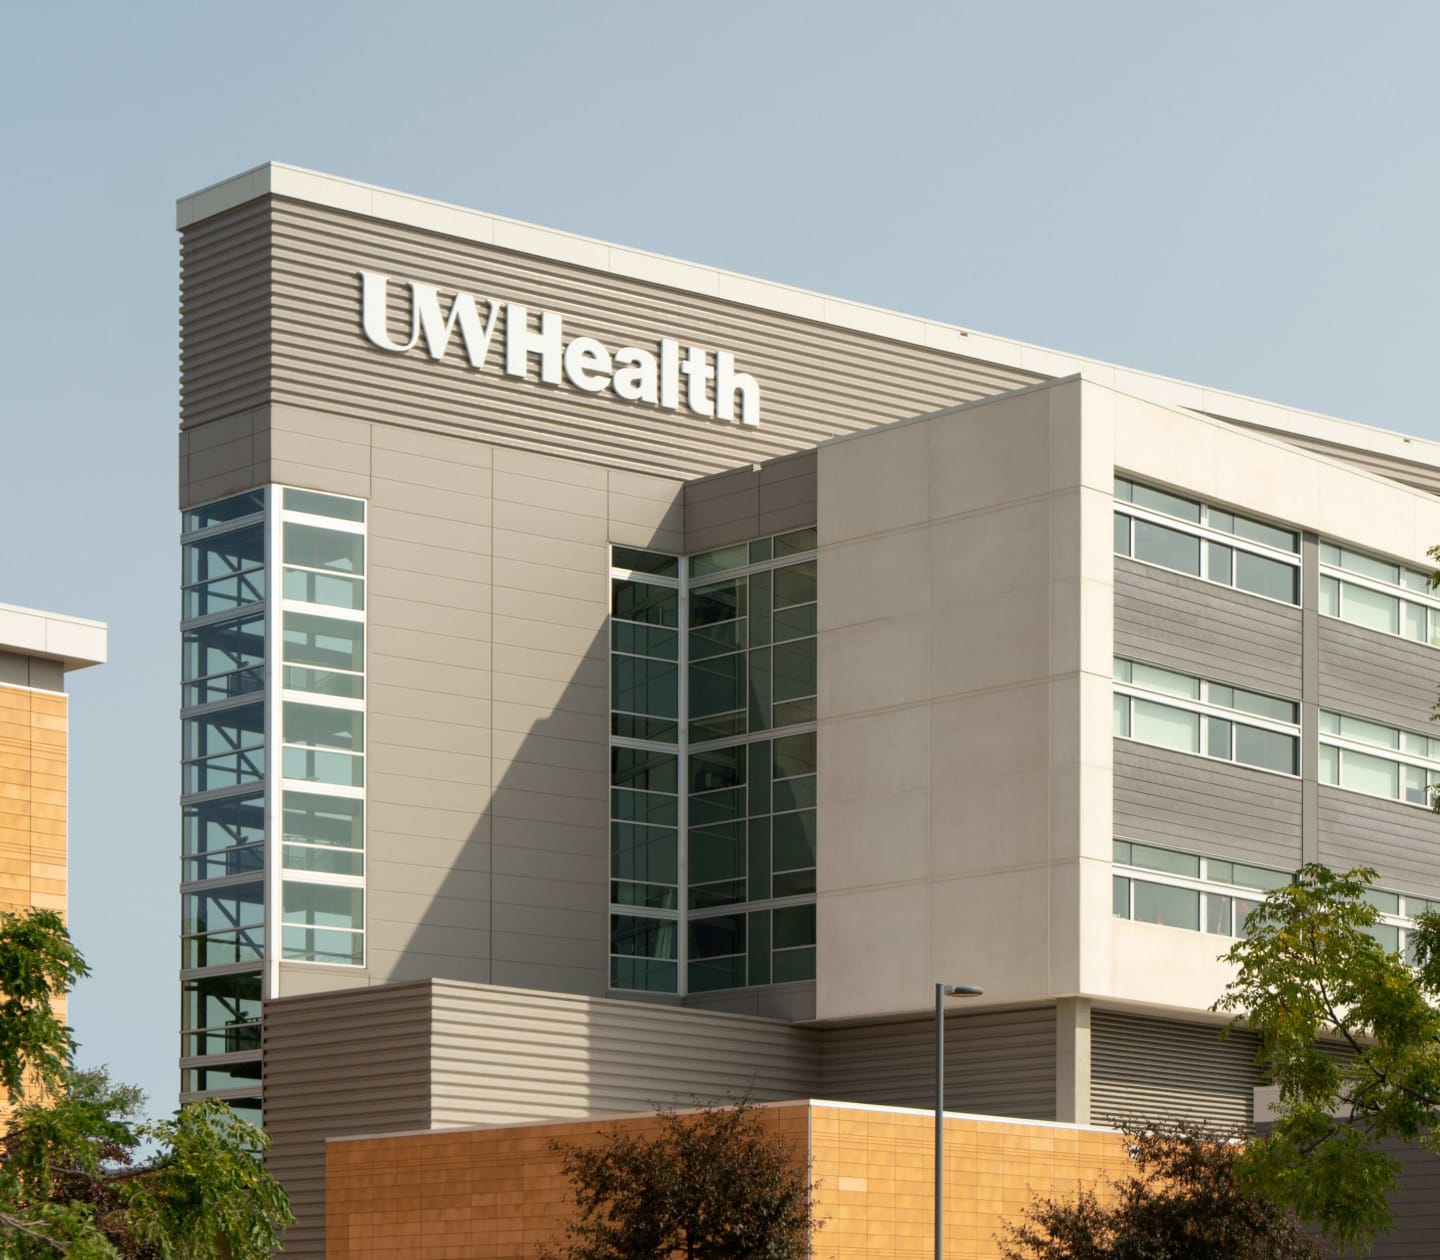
(392,469)
(436,531)
(995,640)
(220,461)
(999,550)
(868,579)
(874,840)
(564,496)
(405,569)
(663,490)
(405,616)
(1082,945)
(431,908)
(873,951)
(428,446)
(783,520)
(528,835)
(398,594)
(991,733)
(575,979)
(872,483)
(312,476)
(786,495)
(556,723)
(324,454)
(547,468)
(543,750)
(402,700)
(573,641)
(646,524)
(471,739)
(532,776)
(448,506)
(1166,968)
(546,579)
(431,676)
(989,823)
(546,807)
(455,949)
(409,860)
(722,485)
(573,946)
(431,647)
(565,895)
(875,755)
(426,763)
(298,979)
(584,876)
(1000,918)
(51,674)
(209,489)
(877,664)
(555,609)
(992,453)
(386,823)
(551,694)
(224,431)
(550,522)
(591,670)
(324,426)
(402,789)
(722,513)
(591,559)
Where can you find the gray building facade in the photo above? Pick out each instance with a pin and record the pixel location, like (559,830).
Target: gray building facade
(582,640)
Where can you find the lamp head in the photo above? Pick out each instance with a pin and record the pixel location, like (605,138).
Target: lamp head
(961,990)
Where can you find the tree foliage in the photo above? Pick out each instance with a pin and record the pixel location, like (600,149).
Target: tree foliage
(712,1184)
(72,1179)
(1181,1202)
(1350,1033)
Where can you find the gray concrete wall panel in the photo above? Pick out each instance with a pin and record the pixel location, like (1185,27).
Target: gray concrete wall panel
(1400,841)
(1184,623)
(1377,676)
(1199,805)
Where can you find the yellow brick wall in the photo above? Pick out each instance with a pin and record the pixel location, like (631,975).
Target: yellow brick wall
(498,1194)
(32,799)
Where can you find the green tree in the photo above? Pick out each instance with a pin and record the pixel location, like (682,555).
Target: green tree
(1350,1032)
(72,1182)
(712,1184)
(1181,1202)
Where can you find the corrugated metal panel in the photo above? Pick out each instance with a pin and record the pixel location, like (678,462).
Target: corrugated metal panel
(1198,805)
(225,322)
(1400,841)
(1379,676)
(996,1063)
(1142,1068)
(1416,1205)
(511,1055)
(815,380)
(1183,623)
(355,1061)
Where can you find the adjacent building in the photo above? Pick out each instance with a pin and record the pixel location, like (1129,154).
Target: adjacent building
(609,679)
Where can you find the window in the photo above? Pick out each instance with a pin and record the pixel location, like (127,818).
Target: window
(1186,890)
(712,824)
(1159,527)
(1378,760)
(1194,715)
(1378,594)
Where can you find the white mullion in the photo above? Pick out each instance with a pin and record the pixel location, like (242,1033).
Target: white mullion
(682,783)
(274,718)
(1205,709)
(1207,533)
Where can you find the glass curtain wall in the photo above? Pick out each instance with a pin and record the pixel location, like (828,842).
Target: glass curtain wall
(272,678)
(713,679)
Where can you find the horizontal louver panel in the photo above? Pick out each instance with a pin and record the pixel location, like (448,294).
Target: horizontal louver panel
(1148,1069)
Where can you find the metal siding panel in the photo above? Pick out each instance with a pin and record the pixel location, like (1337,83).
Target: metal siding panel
(1149,1069)
(1184,623)
(355,1061)
(996,1063)
(1398,840)
(1198,805)
(509,1056)
(1377,676)
(815,380)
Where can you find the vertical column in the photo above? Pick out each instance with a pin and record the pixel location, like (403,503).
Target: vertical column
(1072,1060)
(1309,698)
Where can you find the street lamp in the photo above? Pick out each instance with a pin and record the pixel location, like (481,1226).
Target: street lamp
(942,991)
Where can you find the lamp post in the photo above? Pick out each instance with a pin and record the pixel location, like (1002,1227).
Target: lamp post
(942,991)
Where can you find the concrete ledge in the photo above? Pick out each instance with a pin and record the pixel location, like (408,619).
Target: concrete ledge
(73,641)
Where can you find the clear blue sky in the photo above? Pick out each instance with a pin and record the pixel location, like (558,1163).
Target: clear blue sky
(1240,194)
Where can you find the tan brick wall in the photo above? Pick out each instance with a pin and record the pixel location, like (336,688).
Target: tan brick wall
(497,1194)
(32,799)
